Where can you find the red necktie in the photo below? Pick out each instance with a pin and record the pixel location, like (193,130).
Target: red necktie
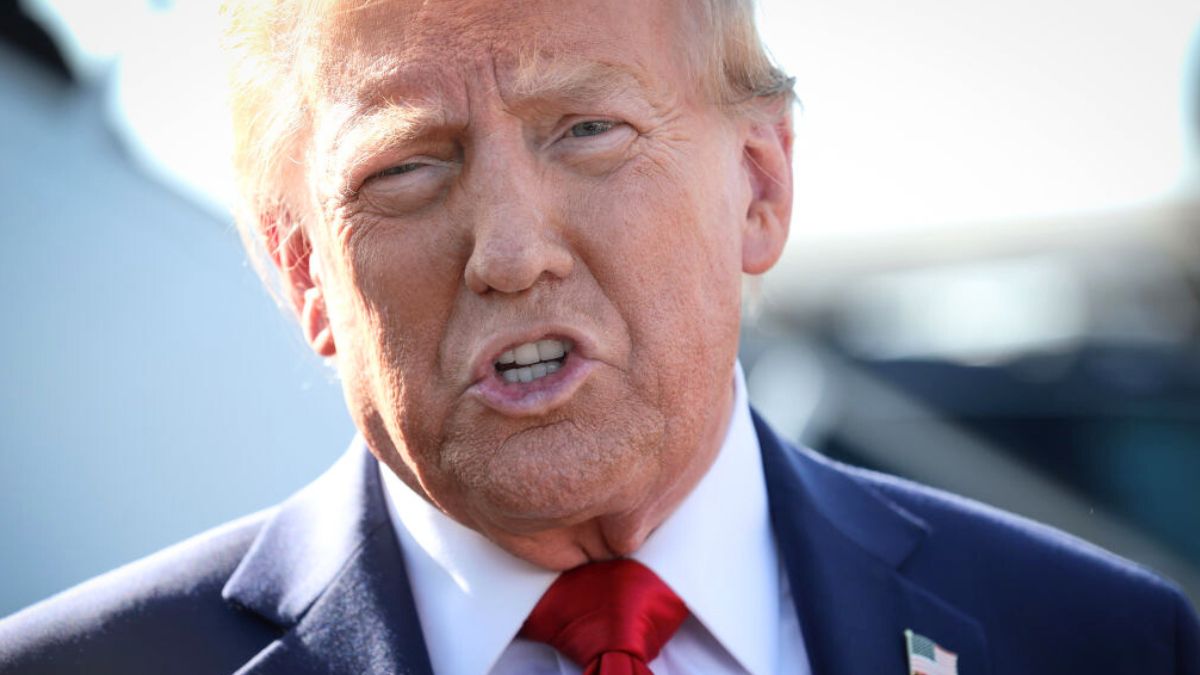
(610,618)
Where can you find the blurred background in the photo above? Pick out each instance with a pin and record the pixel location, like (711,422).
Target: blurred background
(992,285)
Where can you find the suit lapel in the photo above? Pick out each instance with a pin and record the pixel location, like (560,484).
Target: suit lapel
(844,546)
(327,569)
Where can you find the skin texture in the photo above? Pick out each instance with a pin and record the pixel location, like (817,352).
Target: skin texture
(476,174)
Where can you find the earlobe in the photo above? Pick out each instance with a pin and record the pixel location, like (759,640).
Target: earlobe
(767,161)
(315,321)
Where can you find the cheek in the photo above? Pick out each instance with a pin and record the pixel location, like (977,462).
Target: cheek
(405,279)
(399,288)
(663,242)
(667,237)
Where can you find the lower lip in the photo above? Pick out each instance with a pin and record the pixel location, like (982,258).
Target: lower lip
(527,399)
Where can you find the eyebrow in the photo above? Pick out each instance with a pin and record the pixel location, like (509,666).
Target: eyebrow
(542,77)
(536,79)
(398,121)
(387,124)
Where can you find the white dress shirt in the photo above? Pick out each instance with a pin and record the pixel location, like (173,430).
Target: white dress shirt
(716,551)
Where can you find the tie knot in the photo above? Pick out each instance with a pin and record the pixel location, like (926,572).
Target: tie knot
(611,608)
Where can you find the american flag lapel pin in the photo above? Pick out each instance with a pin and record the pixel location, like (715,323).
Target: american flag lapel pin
(925,657)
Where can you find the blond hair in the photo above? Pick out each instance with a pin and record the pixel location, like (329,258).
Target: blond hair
(265,39)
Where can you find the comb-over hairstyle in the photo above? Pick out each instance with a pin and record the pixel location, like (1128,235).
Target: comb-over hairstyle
(265,40)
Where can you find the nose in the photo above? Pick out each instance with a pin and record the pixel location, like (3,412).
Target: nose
(517,239)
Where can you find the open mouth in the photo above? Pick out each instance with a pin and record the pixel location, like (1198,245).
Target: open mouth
(533,360)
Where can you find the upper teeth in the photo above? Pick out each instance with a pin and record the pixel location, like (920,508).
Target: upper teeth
(529,356)
(532,352)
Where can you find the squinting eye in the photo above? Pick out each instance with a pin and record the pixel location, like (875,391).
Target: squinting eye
(591,128)
(398,170)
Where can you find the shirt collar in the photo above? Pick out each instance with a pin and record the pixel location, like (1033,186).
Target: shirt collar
(715,551)
(461,581)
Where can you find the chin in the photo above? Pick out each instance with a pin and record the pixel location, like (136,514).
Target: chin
(559,472)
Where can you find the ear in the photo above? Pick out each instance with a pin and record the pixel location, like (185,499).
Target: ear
(299,274)
(767,160)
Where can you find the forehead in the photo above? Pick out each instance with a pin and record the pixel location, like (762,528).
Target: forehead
(369,49)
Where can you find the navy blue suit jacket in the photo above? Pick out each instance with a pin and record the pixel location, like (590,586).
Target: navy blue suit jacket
(317,585)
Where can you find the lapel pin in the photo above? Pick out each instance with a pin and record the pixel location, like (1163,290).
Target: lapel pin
(926,657)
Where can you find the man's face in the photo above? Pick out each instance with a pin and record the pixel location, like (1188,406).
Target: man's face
(494,183)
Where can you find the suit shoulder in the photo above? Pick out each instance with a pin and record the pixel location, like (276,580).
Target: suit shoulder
(1012,571)
(165,606)
(1028,581)
(960,519)
(957,521)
